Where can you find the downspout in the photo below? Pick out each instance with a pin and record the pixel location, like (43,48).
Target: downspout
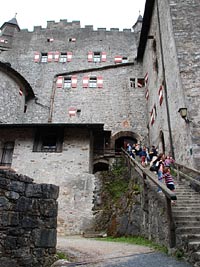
(165,84)
(52,101)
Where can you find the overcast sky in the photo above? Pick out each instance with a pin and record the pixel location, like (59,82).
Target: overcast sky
(101,14)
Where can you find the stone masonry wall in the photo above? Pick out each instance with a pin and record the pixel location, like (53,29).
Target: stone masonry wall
(28,221)
(11,102)
(174,93)
(110,105)
(68,169)
(186,28)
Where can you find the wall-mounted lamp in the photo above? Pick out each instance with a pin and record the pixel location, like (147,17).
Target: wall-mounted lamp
(183,113)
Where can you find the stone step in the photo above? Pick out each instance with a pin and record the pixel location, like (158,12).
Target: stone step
(195,257)
(186,238)
(187,223)
(185,208)
(189,201)
(194,245)
(187,218)
(188,230)
(185,213)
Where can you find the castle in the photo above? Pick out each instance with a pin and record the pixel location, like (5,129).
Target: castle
(70,97)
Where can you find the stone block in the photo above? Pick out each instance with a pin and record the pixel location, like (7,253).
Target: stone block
(44,238)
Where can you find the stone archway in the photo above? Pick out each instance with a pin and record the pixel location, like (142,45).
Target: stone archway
(121,138)
(100,165)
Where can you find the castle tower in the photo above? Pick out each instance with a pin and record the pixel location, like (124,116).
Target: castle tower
(137,28)
(8,30)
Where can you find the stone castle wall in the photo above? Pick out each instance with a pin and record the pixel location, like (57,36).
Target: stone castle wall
(162,62)
(112,102)
(69,169)
(28,221)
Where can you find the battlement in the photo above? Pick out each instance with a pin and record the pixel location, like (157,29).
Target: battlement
(64,24)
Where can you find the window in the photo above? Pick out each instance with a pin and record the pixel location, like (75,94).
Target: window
(44,58)
(137,82)
(63,57)
(49,40)
(93,82)
(97,57)
(48,140)
(67,82)
(124,60)
(7,153)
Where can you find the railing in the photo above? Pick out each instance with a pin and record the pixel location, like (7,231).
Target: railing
(169,195)
(187,173)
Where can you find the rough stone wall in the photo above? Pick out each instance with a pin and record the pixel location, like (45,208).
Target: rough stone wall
(174,93)
(11,102)
(186,28)
(28,221)
(69,170)
(137,212)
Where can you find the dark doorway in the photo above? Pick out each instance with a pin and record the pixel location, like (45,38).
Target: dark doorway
(123,141)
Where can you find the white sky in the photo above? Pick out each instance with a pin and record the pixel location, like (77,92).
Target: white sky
(101,14)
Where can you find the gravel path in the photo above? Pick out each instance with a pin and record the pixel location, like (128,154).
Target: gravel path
(89,252)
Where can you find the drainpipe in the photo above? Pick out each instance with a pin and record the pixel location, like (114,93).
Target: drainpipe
(165,84)
(52,101)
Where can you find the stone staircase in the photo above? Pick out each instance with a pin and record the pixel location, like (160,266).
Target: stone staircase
(186,214)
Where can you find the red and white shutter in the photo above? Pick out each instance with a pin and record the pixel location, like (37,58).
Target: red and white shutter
(74,81)
(152,118)
(146,78)
(90,56)
(59,82)
(139,84)
(37,57)
(103,56)
(72,111)
(69,56)
(100,82)
(147,94)
(50,57)
(20,92)
(56,56)
(85,82)
(118,59)
(73,39)
(160,93)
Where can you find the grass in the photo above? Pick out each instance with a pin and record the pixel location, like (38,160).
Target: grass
(61,255)
(137,241)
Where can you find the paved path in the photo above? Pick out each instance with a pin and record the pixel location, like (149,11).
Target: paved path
(92,253)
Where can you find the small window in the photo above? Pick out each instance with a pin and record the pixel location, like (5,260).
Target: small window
(93,82)
(44,58)
(48,140)
(132,82)
(124,60)
(7,154)
(140,82)
(67,82)
(137,82)
(63,57)
(97,57)
(49,40)
(72,39)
